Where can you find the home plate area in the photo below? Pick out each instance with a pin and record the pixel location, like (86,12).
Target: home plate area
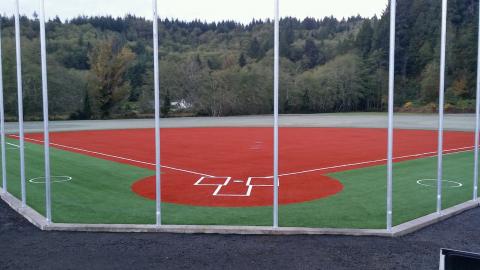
(239,191)
(227,187)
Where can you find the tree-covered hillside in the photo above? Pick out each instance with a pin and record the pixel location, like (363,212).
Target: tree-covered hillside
(101,67)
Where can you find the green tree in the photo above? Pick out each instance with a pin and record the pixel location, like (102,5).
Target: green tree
(166,105)
(201,63)
(306,102)
(242,61)
(311,54)
(287,38)
(255,50)
(364,38)
(107,81)
(429,83)
(87,107)
(334,87)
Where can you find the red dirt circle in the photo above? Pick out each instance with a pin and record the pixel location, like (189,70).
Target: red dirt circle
(197,190)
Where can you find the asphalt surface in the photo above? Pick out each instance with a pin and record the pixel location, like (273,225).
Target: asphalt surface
(23,246)
(461,122)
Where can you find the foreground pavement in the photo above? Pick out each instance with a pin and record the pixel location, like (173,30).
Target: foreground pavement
(23,246)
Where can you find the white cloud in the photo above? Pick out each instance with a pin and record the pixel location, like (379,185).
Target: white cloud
(208,10)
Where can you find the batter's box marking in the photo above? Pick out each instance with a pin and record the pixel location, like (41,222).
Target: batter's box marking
(213,181)
(224,182)
(261,181)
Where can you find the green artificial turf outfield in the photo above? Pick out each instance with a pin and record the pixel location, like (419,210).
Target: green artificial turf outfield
(100,193)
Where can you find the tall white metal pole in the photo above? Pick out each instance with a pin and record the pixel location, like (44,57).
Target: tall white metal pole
(441,106)
(157,115)
(2,122)
(275,112)
(477,122)
(20,103)
(46,135)
(391,93)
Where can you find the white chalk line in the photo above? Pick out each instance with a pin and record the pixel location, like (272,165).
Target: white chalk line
(12,144)
(435,181)
(118,157)
(63,178)
(227,180)
(426,155)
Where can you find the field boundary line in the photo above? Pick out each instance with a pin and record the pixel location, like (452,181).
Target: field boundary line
(425,155)
(12,144)
(117,157)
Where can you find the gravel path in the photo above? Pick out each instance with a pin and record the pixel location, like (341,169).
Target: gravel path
(23,246)
(464,122)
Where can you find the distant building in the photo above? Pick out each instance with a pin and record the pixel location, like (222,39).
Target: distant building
(181,105)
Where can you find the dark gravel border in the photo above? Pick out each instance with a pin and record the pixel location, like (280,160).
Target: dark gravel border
(23,246)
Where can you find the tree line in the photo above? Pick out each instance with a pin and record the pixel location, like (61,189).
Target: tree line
(102,67)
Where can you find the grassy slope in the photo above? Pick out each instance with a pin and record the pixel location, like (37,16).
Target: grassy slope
(100,193)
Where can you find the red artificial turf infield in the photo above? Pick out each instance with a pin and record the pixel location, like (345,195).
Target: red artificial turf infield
(241,153)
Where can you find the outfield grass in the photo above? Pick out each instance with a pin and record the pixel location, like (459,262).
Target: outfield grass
(100,193)
(362,203)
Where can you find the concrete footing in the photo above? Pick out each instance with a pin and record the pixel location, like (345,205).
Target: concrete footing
(39,221)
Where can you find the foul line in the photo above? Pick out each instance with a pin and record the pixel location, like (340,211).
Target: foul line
(426,155)
(117,157)
(12,144)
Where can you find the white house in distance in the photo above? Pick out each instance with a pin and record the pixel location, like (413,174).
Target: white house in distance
(180,105)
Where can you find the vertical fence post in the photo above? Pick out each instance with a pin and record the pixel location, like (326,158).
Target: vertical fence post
(2,122)
(157,115)
(275,113)
(20,103)
(477,118)
(391,93)
(441,106)
(46,135)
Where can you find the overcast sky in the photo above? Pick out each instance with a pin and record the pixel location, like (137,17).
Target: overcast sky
(205,10)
